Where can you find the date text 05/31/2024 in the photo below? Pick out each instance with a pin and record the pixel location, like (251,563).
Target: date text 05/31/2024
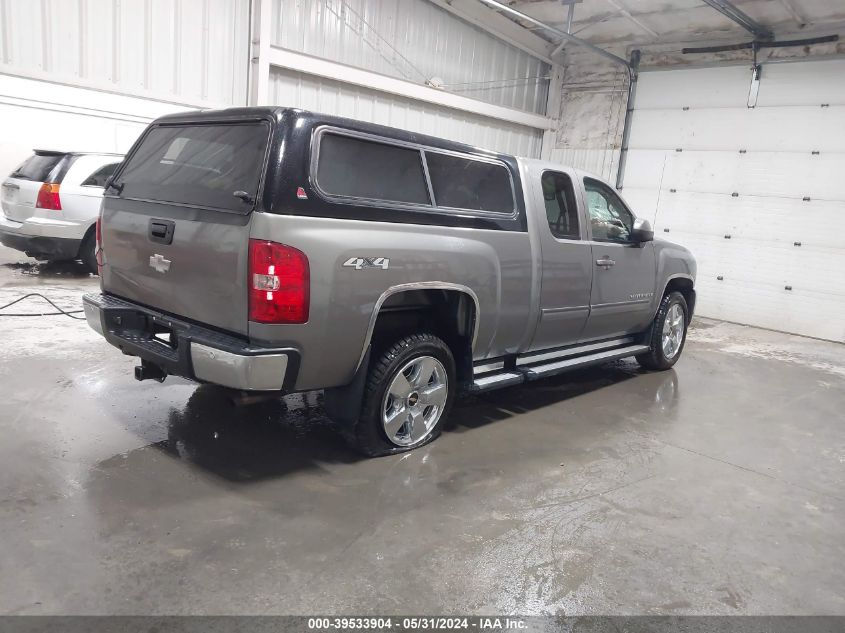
(417,623)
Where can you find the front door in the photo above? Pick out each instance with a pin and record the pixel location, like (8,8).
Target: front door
(566,262)
(624,273)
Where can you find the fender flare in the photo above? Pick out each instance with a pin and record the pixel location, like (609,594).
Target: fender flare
(420,285)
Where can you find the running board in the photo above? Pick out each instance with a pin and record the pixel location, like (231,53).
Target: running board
(494,381)
(550,369)
(521,374)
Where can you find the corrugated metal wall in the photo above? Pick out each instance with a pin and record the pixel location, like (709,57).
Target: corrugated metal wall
(190,51)
(332,97)
(413,40)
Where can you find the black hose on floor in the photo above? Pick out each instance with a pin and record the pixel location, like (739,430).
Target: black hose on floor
(61,311)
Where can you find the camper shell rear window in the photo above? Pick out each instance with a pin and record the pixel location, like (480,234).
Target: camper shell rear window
(198,164)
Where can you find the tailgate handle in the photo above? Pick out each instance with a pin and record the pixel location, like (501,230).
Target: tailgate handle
(161,231)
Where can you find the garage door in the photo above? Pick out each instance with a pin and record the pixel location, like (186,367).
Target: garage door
(757,193)
(299,90)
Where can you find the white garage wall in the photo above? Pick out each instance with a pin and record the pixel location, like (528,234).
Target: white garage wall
(38,114)
(332,97)
(191,51)
(756,193)
(413,40)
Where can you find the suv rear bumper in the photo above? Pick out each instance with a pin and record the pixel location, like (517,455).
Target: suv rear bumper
(194,352)
(39,246)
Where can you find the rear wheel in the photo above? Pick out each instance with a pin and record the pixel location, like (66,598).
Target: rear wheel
(669,333)
(88,252)
(410,389)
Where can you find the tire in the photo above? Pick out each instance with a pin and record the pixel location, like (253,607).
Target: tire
(416,417)
(87,252)
(661,357)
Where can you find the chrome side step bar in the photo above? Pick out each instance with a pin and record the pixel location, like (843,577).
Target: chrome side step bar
(550,369)
(494,381)
(534,372)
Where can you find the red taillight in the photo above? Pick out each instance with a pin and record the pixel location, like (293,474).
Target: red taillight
(279,283)
(48,197)
(98,234)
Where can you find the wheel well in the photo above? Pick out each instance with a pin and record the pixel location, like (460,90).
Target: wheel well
(448,314)
(685,287)
(88,233)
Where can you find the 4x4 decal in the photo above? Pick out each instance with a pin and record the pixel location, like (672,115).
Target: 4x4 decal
(359,263)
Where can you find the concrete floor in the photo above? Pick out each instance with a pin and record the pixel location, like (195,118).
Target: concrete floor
(713,488)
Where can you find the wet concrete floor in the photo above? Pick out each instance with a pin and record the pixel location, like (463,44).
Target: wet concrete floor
(713,488)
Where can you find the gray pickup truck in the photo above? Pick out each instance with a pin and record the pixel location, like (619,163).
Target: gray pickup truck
(274,249)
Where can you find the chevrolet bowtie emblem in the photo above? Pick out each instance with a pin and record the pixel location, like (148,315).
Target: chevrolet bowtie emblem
(159,263)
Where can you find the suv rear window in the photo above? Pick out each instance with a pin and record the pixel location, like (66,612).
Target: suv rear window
(462,183)
(365,169)
(198,165)
(37,167)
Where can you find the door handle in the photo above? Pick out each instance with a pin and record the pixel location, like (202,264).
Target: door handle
(605,262)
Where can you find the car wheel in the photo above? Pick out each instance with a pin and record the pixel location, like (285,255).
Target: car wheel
(409,391)
(669,333)
(88,252)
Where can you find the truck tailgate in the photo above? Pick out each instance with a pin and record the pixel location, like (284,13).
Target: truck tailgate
(201,275)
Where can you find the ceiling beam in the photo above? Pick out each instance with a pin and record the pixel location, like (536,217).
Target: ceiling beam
(727,9)
(499,26)
(556,31)
(635,21)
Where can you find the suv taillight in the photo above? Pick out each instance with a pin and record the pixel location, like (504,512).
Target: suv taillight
(279,283)
(98,233)
(48,197)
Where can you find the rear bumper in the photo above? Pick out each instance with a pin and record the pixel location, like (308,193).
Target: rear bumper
(40,246)
(194,352)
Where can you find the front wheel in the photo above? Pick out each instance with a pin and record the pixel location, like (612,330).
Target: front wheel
(669,333)
(410,389)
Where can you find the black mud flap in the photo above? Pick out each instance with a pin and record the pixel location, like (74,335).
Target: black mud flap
(343,404)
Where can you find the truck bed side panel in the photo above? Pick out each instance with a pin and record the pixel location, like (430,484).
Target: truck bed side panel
(494,264)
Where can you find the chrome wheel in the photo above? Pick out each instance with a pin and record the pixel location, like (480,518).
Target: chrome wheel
(415,401)
(673,331)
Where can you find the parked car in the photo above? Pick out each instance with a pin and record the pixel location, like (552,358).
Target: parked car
(282,250)
(51,203)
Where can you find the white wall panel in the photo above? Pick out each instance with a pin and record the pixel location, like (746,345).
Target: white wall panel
(331,97)
(601,162)
(413,40)
(772,129)
(782,265)
(187,51)
(51,116)
(704,88)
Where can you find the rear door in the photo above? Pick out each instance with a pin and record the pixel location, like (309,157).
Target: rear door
(20,189)
(624,272)
(566,267)
(176,220)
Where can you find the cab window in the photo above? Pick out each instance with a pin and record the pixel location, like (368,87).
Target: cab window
(561,210)
(610,220)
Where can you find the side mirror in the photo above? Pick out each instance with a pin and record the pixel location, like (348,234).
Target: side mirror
(642,231)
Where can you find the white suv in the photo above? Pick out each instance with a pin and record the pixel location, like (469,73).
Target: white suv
(51,203)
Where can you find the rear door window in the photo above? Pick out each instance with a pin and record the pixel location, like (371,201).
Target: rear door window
(462,183)
(37,167)
(561,210)
(358,168)
(198,165)
(100,177)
